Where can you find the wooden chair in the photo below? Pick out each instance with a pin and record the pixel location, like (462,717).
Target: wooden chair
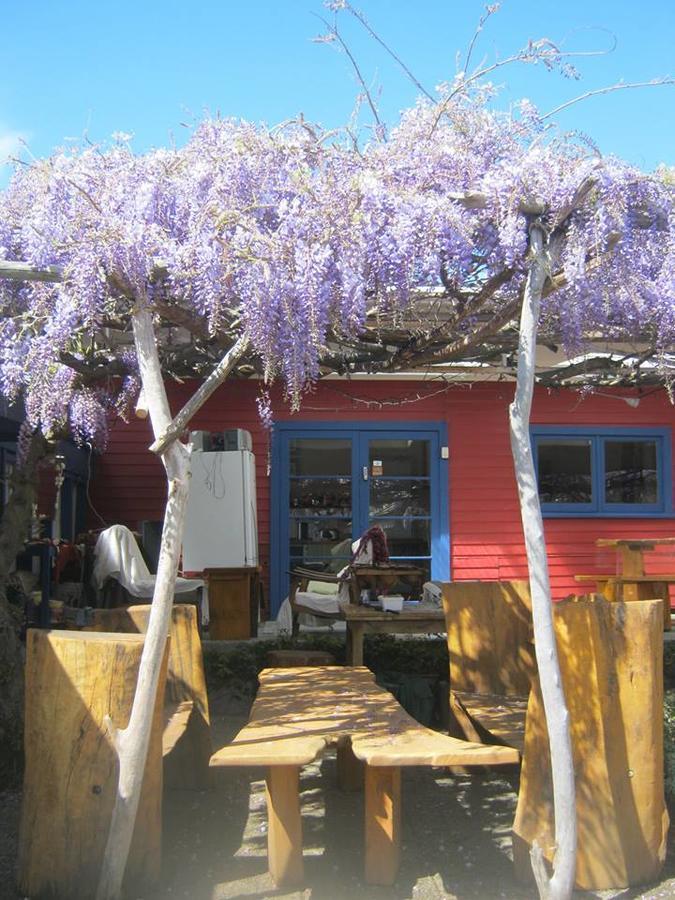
(300,581)
(491,655)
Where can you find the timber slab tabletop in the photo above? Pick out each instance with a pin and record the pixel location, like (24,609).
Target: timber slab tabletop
(634,543)
(300,711)
(353,612)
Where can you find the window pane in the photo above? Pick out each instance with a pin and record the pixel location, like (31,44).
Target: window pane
(398,457)
(310,456)
(630,472)
(321,496)
(564,467)
(406,537)
(321,539)
(399,497)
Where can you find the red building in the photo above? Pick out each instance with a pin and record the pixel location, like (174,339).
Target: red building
(433,461)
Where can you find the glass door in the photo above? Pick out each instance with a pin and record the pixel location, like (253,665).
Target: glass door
(331,483)
(395,486)
(320,502)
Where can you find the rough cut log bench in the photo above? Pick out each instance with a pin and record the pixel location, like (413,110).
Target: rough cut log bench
(491,655)
(300,712)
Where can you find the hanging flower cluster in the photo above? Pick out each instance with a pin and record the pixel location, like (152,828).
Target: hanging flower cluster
(295,237)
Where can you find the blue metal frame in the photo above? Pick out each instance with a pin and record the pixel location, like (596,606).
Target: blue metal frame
(359,433)
(598,508)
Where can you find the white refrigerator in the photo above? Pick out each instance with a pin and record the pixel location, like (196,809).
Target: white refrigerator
(221,523)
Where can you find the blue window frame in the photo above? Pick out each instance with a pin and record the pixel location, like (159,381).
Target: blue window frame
(348,485)
(603,471)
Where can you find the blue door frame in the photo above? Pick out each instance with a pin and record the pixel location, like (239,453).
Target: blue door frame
(360,433)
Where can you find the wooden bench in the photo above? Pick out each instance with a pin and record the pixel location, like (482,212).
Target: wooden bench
(186,740)
(491,657)
(634,587)
(298,713)
(611,669)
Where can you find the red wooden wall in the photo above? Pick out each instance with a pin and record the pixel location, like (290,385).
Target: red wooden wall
(485,531)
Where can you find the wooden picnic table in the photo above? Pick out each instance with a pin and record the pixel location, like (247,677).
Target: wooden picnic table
(630,582)
(297,714)
(362,620)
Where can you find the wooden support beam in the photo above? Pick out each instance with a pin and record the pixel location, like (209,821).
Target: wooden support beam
(199,398)
(383,824)
(284,826)
(350,770)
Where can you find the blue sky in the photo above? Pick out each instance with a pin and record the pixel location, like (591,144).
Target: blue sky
(148,68)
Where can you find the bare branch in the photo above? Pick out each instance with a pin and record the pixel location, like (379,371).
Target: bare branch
(362,19)
(333,31)
(655,82)
(95,369)
(489,10)
(199,398)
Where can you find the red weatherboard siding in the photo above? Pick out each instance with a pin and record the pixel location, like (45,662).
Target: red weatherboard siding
(485,531)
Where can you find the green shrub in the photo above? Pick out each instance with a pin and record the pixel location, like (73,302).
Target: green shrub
(669,664)
(669,742)
(236,663)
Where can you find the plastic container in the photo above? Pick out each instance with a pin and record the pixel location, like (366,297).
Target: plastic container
(392,604)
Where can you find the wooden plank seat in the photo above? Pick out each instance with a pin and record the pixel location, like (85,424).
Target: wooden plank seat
(300,712)
(490,718)
(492,660)
(635,587)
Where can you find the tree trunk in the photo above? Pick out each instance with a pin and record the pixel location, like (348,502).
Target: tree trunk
(561,884)
(132,743)
(14,527)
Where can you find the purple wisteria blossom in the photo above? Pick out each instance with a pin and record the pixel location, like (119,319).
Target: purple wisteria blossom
(295,237)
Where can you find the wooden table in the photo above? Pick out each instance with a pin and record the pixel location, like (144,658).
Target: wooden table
(297,714)
(362,620)
(630,582)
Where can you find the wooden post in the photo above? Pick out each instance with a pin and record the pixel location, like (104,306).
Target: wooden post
(350,770)
(611,656)
(383,824)
(284,825)
(73,681)
(355,643)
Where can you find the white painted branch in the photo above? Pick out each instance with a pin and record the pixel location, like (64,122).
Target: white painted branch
(561,884)
(141,408)
(132,742)
(199,398)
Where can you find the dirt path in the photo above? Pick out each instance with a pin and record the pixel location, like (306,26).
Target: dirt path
(456,839)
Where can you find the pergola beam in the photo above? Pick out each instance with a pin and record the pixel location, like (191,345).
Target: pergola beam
(19,271)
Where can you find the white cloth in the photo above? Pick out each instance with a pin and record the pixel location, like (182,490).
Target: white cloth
(326,604)
(118,556)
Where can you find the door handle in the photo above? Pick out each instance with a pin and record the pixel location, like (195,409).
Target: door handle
(365,473)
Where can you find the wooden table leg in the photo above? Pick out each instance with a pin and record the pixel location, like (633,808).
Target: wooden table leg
(284,827)
(349,768)
(383,824)
(355,643)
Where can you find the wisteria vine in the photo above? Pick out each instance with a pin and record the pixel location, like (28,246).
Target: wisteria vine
(295,237)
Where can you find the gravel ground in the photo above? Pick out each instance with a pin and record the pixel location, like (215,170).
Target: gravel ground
(456,841)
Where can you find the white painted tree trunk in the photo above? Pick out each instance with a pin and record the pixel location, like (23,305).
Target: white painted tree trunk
(561,884)
(132,742)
